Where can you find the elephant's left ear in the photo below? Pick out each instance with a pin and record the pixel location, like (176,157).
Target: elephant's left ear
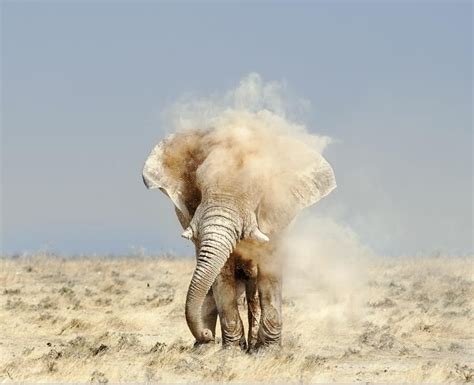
(303,188)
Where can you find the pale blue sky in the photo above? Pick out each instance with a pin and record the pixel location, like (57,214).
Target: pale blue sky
(83,85)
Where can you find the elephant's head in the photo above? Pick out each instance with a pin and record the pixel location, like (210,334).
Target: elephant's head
(221,200)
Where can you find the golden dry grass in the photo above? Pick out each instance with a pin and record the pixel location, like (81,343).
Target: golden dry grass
(121,320)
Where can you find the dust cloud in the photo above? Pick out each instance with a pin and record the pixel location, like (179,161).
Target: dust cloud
(245,139)
(326,269)
(255,132)
(250,139)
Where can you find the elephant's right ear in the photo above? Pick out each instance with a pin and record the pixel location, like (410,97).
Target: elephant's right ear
(298,189)
(171,167)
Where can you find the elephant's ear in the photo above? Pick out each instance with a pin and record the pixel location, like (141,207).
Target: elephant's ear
(171,167)
(302,188)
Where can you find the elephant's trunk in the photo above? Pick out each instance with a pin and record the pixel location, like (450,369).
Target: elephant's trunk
(218,235)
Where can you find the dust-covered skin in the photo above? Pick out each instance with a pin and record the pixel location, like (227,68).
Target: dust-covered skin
(121,320)
(236,187)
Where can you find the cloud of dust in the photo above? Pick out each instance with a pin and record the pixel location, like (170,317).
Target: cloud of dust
(248,131)
(253,131)
(326,257)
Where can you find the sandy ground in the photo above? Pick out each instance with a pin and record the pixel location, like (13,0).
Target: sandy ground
(121,320)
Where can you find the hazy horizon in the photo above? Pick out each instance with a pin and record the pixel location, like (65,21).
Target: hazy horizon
(84,86)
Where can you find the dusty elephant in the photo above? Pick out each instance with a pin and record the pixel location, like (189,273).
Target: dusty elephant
(235,191)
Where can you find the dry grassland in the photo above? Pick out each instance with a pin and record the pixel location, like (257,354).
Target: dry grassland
(121,320)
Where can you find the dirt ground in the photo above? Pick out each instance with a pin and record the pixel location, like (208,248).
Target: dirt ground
(105,320)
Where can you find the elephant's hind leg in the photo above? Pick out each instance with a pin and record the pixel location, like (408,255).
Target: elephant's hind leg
(269,291)
(253,304)
(225,295)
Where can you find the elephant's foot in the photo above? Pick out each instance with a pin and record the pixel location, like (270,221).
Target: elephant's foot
(266,345)
(241,344)
(233,334)
(269,333)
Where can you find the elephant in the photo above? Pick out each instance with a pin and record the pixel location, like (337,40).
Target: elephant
(235,193)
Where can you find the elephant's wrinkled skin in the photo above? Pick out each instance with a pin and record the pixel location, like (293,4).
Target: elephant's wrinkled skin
(235,198)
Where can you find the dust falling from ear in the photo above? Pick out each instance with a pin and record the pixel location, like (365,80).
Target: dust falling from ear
(253,136)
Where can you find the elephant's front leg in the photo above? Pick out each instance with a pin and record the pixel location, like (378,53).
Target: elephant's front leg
(269,291)
(225,295)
